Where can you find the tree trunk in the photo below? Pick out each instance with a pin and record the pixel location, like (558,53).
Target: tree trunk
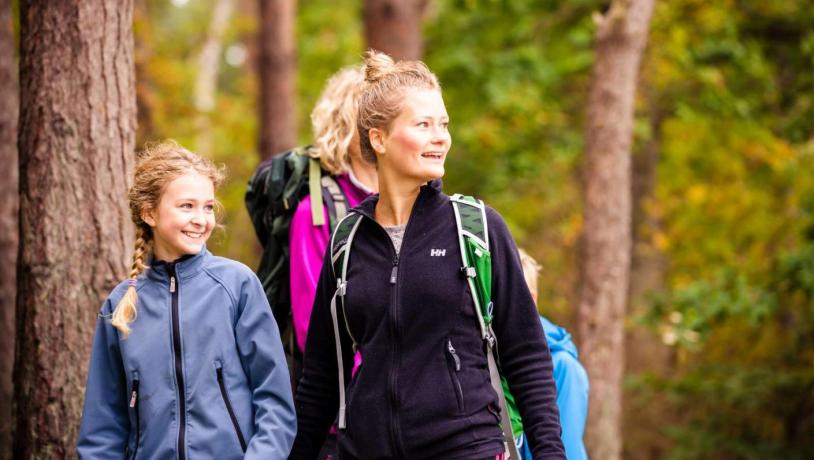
(206,82)
(606,238)
(9,223)
(76,139)
(277,68)
(645,351)
(394,27)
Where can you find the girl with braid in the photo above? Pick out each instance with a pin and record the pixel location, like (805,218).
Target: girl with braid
(187,360)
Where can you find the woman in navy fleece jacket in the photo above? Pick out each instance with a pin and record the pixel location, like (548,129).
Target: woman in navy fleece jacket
(422,391)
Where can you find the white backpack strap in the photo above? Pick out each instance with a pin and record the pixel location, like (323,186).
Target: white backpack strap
(459,201)
(470,220)
(341,242)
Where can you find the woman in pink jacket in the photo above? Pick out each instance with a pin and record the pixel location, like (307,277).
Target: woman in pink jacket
(337,144)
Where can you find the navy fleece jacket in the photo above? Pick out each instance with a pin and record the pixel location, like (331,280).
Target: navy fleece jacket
(423,388)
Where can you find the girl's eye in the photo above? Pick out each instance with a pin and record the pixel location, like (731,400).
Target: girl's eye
(445,125)
(209,208)
(423,124)
(186,205)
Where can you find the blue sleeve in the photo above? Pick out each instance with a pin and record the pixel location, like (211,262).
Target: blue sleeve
(572,401)
(262,357)
(105,426)
(525,359)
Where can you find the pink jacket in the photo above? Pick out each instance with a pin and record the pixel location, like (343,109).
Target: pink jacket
(308,244)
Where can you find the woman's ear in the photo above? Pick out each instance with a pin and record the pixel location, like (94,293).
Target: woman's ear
(148,216)
(376,137)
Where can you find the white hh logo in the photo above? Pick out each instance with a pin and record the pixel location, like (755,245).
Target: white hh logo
(438,252)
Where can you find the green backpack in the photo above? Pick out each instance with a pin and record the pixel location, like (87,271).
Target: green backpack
(470,220)
(272,196)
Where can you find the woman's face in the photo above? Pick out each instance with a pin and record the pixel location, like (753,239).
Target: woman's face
(416,144)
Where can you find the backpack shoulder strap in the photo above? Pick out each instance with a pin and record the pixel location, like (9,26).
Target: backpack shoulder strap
(341,242)
(334,199)
(473,237)
(470,220)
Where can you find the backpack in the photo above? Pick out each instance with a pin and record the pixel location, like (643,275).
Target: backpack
(272,196)
(473,237)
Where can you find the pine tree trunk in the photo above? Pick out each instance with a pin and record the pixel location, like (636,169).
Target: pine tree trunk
(277,69)
(206,82)
(394,27)
(76,140)
(606,240)
(9,223)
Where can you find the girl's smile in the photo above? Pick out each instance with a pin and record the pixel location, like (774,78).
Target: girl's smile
(184,218)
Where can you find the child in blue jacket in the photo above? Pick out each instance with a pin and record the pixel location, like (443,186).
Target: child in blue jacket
(569,376)
(187,360)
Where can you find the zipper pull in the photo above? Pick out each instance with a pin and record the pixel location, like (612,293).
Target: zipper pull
(395,270)
(133,397)
(454,356)
(172,284)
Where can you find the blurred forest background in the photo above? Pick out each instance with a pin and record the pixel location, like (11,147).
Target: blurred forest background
(718,316)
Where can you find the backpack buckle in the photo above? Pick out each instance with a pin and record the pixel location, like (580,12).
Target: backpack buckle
(341,288)
(490,339)
(469,272)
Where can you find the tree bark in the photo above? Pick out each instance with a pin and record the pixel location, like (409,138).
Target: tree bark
(394,27)
(76,140)
(277,69)
(606,238)
(9,223)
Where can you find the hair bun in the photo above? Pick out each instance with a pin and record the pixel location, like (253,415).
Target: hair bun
(378,65)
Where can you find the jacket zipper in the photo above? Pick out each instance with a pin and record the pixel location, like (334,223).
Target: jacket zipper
(394,326)
(179,368)
(134,400)
(453,374)
(395,428)
(225,396)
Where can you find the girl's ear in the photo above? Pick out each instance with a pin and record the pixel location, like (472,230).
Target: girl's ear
(377,137)
(148,216)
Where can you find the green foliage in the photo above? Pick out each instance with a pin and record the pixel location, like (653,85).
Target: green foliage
(732,200)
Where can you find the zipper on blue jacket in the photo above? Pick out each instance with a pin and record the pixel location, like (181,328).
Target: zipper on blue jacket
(134,399)
(179,368)
(229,409)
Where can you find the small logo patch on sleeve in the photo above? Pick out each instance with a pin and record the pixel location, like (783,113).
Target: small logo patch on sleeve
(438,252)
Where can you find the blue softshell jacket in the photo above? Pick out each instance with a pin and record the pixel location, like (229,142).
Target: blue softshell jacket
(202,374)
(572,388)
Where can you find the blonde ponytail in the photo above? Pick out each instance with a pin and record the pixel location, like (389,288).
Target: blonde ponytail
(125,312)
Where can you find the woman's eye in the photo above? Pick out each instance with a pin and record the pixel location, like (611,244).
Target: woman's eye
(186,205)
(423,124)
(445,125)
(209,208)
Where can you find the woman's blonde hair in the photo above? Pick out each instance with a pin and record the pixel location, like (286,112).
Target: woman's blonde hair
(531,270)
(382,99)
(334,119)
(156,167)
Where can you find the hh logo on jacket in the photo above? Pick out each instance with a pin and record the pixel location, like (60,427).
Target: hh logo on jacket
(438,252)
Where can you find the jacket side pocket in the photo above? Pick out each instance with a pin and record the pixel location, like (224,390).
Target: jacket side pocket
(225,396)
(133,404)
(454,366)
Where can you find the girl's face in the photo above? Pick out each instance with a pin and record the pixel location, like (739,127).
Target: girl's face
(416,144)
(184,218)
